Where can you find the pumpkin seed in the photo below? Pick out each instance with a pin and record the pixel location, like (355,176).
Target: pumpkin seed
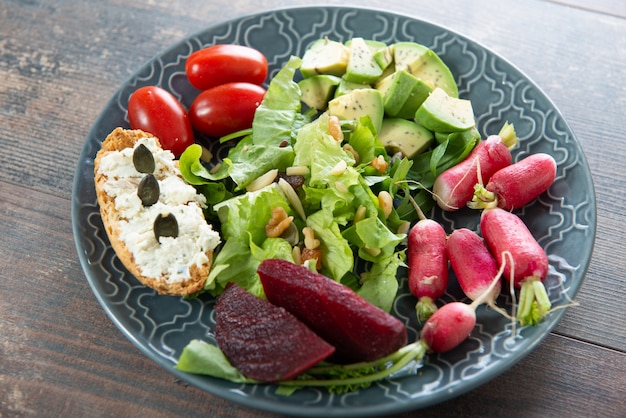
(148,190)
(165,225)
(143,160)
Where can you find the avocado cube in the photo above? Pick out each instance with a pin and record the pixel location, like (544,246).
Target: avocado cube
(358,103)
(325,57)
(432,70)
(362,68)
(404,53)
(345,87)
(418,94)
(396,90)
(442,113)
(374,46)
(405,136)
(317,90)
(384,57)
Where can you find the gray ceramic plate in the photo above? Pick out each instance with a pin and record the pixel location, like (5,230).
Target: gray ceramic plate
(563,219)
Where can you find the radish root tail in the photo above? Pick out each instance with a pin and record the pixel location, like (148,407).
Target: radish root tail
(507,255)
(469,170)
(483,297)
(420,213)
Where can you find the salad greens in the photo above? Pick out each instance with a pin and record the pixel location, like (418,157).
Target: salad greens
(275,122)
(243,219)
(201,357)
(359,242)
(284,137)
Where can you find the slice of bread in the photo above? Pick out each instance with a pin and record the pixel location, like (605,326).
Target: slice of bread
(157,263)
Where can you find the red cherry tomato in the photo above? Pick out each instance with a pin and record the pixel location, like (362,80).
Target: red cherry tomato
(154,110)
(226,108)
(226,63)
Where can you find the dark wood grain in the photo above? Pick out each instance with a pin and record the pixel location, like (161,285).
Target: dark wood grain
(60,61)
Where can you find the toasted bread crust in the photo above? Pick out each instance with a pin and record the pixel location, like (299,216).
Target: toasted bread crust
(116,141)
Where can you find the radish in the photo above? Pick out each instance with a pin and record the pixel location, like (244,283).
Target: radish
(453,322)
(449,326)
(454,188)
(508,237)
(428,265)
(518,184)
(474,266)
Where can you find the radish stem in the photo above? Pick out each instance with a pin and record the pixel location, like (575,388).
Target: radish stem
(424,308)
(344,378)
(542,296)
(508,135)
(534,302)
(483,198)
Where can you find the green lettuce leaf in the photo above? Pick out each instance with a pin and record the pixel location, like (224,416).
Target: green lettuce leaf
(380,285)
(317,149)
(243,219)
(373,239)
(194,172)
(234,263)
(250,212)
(276,122)
(337,256)
(249,161)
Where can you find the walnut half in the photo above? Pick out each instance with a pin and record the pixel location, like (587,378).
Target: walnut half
(278,223)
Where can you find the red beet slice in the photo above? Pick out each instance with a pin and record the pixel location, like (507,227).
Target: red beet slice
(263,341)
(358,330)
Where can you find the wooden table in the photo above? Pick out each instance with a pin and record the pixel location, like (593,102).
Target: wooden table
(60,61)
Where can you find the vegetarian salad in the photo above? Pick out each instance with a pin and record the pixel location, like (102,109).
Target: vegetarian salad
(321,199)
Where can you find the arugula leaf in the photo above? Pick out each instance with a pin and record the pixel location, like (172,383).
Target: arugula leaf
(447,154)
(364,140)
(350,377)
(437,154)
(200,357)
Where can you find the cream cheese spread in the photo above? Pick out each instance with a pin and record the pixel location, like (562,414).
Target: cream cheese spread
(168,257)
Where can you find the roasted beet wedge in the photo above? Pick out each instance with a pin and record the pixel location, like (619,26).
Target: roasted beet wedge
(358,330)
(263,341)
